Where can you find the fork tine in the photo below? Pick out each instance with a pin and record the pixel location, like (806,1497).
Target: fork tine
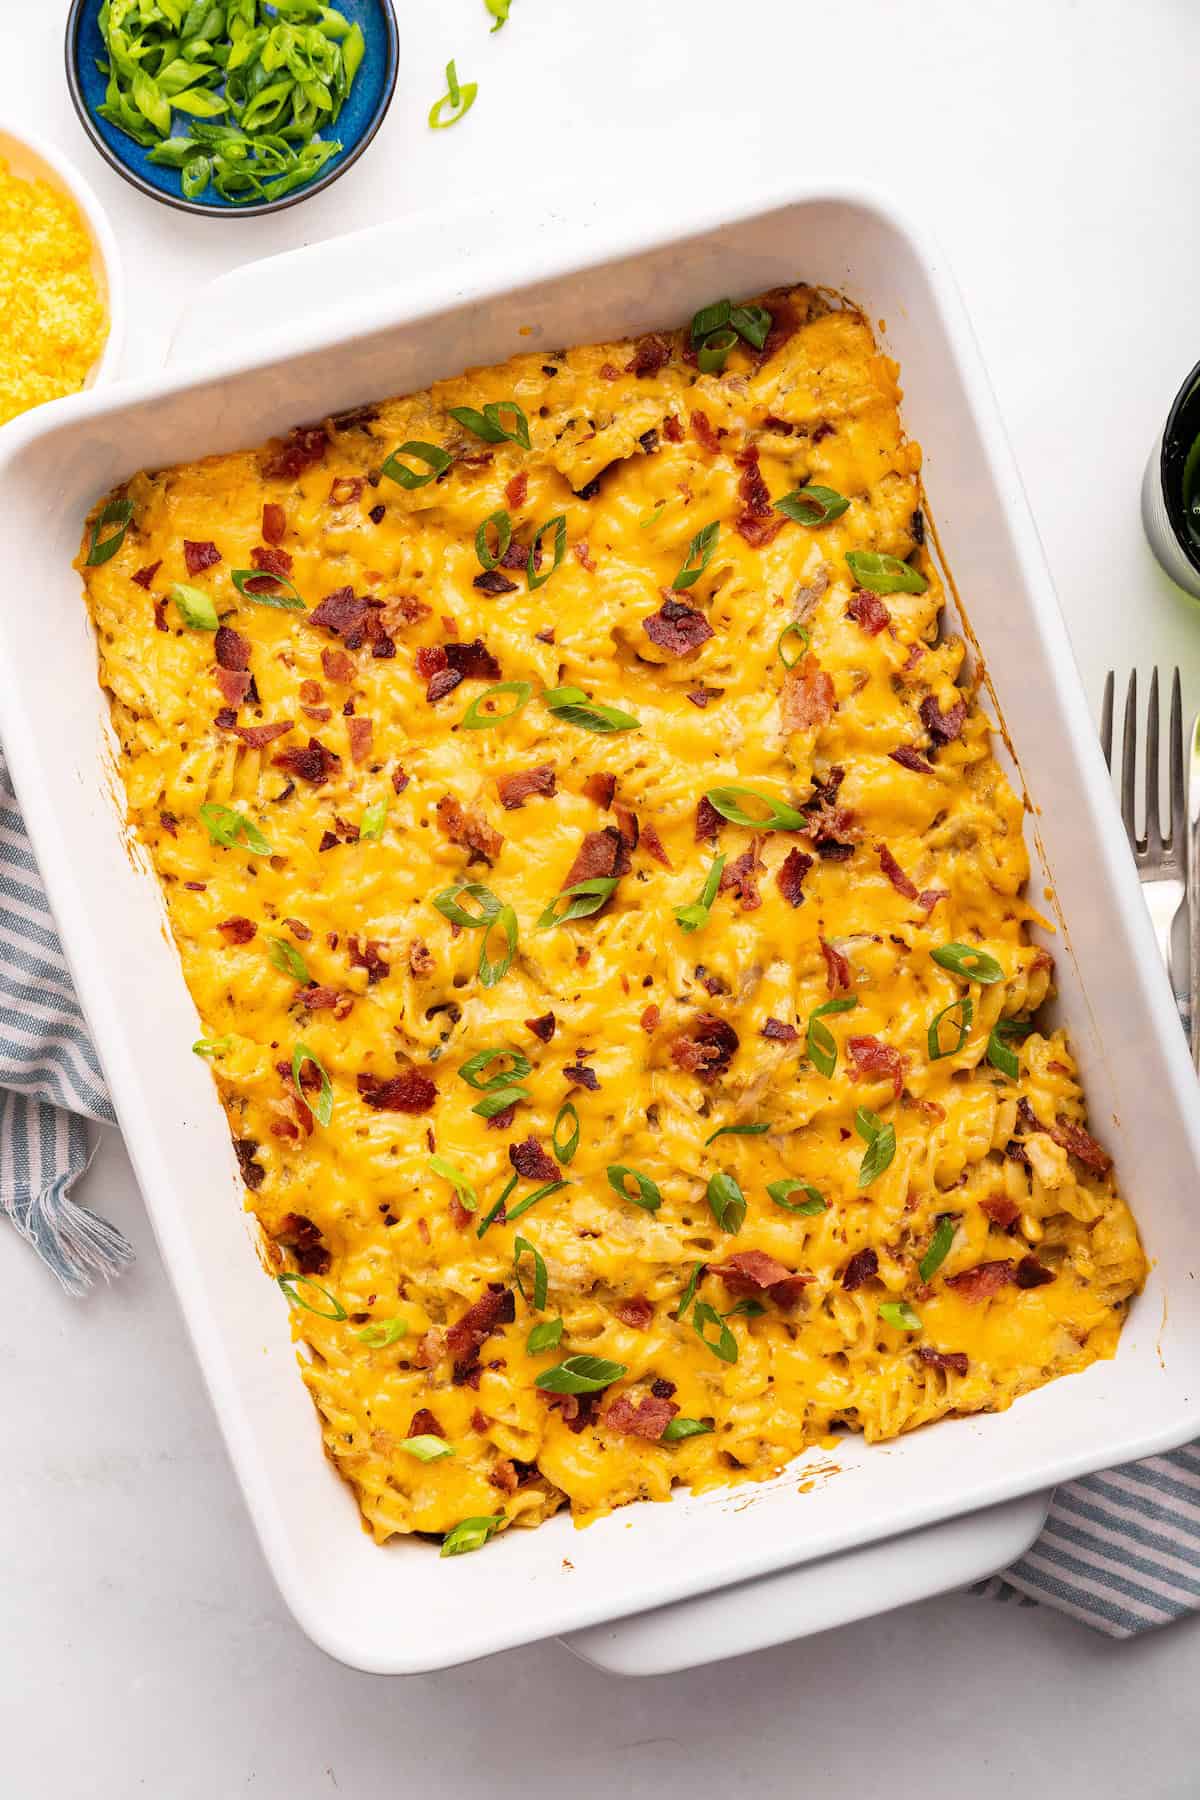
(1153,834)
(1129,759)
(1177,797)
(1106,712)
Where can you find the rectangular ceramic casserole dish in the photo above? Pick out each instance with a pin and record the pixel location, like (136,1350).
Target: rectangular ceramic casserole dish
(402,1609)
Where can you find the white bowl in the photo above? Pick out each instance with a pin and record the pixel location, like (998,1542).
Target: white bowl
(33,159)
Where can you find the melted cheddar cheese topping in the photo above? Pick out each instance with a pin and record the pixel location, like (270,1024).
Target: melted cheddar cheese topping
(772,1285)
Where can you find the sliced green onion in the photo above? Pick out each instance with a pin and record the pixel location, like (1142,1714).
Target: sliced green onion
(483,549)
(497,1207)
(323,1110)
(820,1041)
(448,903)
(470,1534)
(680,1428)
(710,319)
(746,1309)
(796,630)
(779,816)
(814,1201)
(100,549)
(695,913)
(724,1346)
(565,1148)
(964,1006)
(573,705)
(460,100)
(580,1375)
(939,1247)
(647,1196)
(373,820)
(812,505)
(541,1280)
(265,589)
(228,827)
(291,1283)
(490,973)
(971,964)
(380,1336)
(499,12)
(583,899)
(523,1205)
(213,1046)
(880,1139)
(900,1314)
(489,424)
(545,1336)
(713,353)
(652,518)
(699,555)
(497,1099)
(558,525)
(426,1448)
(436,459)
(885,574)
(195,607)
(737,1131)
(1000,1053)
(465,1190)
(475,719)
(689,1292)
(726,1201)
(474,1071)
(752,323)
(287,959)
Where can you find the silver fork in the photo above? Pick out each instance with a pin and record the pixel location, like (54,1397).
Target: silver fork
(1161,861)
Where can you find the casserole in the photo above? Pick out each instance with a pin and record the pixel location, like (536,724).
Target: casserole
(1113,995)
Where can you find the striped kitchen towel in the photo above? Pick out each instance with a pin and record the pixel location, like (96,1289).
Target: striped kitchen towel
(1120,1552)
(50,1080)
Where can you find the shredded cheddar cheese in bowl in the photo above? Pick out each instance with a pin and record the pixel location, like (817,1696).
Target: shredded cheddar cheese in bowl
(53,319)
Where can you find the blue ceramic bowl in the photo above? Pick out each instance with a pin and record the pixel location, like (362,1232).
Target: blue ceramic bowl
(360,117)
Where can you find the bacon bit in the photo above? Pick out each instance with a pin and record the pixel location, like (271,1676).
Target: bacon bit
(543,1027)
(226,718)
(270,561)
(654,846)
(200,556)
(1033,1274)
(145,576)
(234,684)
(915,653)
(431,1348)
(420,958)
(759,532)
(237,930)
(749,1270)
(807,697)
(302,449)
(298,930)
(516,490)
(943,727)
(469,830)
(463,1340)
(650,1019)
(704,434)
(253,1173)
(908,758)
(741,877)
(877,1060)
(579,1075)
(231,649)
(678,629)
(627,824)
(257,737)
(160,616)
(311,762)
(609,372)
(636,1312)
(169,823)
(600,788)
(311,692)
(299,1235)
(708,821)
(429,659)
(460,1218)
(868,611)
(346,489)
(837,968)
(673,429)
(531,1162)
(400,778)
(895,874)
(197,887)
(515,789)
(341,612)
(441,684)
(1080,1143)
(778,1032)
(929,899)
(545,635)
(1001,1211)
(648,1419)
(500,1122)
(708,1049)
(790,876)
(425,1424)
(583,555)
(702,695)
(862,1267)
(504,1476)
(650,354)
(365,954)
(983,1280)
(318,999)
(320,715)
(360,733)
(411,1092)
(752,488)
(517,554)
(602,853)
(955,1361)
(405,609)
(274,522)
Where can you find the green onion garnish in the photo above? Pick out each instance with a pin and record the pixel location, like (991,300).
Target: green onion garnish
(820,1041)
(545,1336)
(737,1131)
(796,630)
(647,1196)
(499,12)
(752,323)
(497,1206)
(694,914)
(227,827)
(964,1007)
(814,1201)
(713,353)
(573,705)
(323,1110)
(541,1280)
(885,574)
(880,1139)
(373,820)
(474,1070)
(1000,1053)
(689,1292)
(812,505)
(213,1046)
(381,1335)
(580,1375)
(460,100)
(449,904)
(565,1147)
(100,549)
(971,964)
(699,555)
(195,607)
(496,1100)
(483,549)
(652,518)
(558,525)
(939,1247)
(725,1344)
(436,459)
(426,1448)
(465,1190)
(265,589)
(470,1534)
(779,816)
(710,319)
(476,719)
(489,424)
(287,959)
(583,899)
(490,973)
(523,1205)
(291,1283)
(900,1314)
(680,1428)
(727,1202)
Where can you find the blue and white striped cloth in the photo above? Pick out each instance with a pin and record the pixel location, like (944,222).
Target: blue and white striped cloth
(1120,1551)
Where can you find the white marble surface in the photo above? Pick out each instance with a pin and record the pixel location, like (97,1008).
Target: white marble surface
(142,1646)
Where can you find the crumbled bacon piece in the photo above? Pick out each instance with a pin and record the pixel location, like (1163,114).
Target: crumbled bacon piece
(704,434)
(341,612)
(600,787)
(400,779)
(516,490)
(298,929)
(299,1235)
(310,762)
(234,684)
(200,556)
(1080,1143)
(955,1361)
(650,1019)
(318,999)
(444,682)
(253,1173)
(702,695)
(653,844)
(257,737)
(868,612)
(237,930)
(673,429)
(741,877)
(983,1280)
(751,487)
(160,616)
(169,823)
(345,490)
(274,522)
(504,1476)
(908,758)
(895,874)
(431,1348)
(579,1075)
(648,1419)
(469,830)
(360,733)
(602,853)
(231,649)
(410,1092)
(517,554)
(707,1048)
(583,555)
(627,824)
(302,449)
(1032,1274)
(424,1424)
(473,661)
(676,628)
(929,898)
(748,1271)
(145,576)
(496,1306)
(1001,1211)
(515,789)
(790,876)
(636,1312)
(531,1162)
(420,957)
(337,666)
(837,968)
(807,698)
(270,561)
(366,953)
(757,531)
(543,1027)
(779,1032)
(862,1267)
(879,1061)
(650,354)
(708,821)
(943,727)
(491,581)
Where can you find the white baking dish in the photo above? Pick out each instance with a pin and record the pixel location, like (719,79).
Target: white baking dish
(404,1609)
